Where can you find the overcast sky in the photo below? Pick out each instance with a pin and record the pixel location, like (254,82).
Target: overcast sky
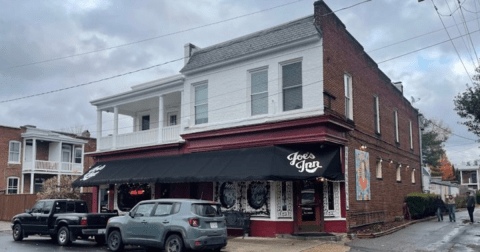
(53,32)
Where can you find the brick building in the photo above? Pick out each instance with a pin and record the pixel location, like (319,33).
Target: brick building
(295,125)
(54,153)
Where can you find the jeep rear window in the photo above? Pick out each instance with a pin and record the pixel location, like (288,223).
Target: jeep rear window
(207,210)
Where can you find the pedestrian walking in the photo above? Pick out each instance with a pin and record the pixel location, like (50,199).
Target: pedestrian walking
(470,205)
(440,206)
(451,208)
(406,211)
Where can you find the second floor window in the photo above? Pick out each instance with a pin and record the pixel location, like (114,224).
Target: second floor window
(347,83)
(14,152)
(259,87)
(292,86)
(411,135)
(376,111)
(395,121)
(146,122)
(201,104)
(78,155)
(66,154)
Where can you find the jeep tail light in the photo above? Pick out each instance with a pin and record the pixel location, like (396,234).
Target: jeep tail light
(83,222)
(193,222)
(198,243)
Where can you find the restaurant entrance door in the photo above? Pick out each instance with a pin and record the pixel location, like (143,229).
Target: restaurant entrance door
(308,210)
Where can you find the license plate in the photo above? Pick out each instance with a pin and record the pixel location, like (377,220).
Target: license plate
(213,225)
(101,231)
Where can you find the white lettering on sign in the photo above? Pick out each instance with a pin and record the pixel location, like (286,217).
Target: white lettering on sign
(93,172)
(302,163)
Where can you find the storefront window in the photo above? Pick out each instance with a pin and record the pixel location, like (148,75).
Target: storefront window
(103,200)
(130,194)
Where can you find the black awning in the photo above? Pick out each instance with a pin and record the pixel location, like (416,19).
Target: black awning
(275,163)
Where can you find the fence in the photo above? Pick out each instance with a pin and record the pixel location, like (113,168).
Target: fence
(11,205)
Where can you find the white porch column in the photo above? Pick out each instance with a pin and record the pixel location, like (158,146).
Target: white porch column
(180,115)
(83,157)
(60,158)
(115,127)
(99,128)
(23,164)
(34,161)
(160,119)
(58,182)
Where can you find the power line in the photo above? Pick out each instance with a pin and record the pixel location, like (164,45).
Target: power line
(451,12)
(173,33)
(436,9)
(466,28)
(463,39)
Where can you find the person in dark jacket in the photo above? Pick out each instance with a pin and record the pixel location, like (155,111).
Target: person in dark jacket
(470,205)
(440,206)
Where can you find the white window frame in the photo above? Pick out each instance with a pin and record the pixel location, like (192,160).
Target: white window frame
(13,188)
(411,135)
(377,114)
(195,86)
(10,151)
(336,197)
(395,117)
(379,168)
(250,94)
(65,150)
(286,63)
(399,173)
(347,85)
(75,155)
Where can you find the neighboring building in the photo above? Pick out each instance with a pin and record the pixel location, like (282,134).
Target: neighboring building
(294,124)
(443,188)
(426,179)
(29,156)
(469,174)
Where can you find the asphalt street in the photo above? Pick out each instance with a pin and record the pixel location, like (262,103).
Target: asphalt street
(428,236)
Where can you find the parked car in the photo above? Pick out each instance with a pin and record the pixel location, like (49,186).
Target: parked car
(171,224)
(63,219)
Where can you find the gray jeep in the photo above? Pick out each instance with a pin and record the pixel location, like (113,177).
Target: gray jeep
(171,224)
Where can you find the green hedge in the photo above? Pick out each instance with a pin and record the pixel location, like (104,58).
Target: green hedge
(421,204)
(461,202)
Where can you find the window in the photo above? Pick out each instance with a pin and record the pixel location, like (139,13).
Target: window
(78,155)
(292,86)
(163,209)
(60,207)
(411,135)
(172,118)
(47,207)
(399,173)
(144,209)
(331,199)
(379,168)
(207,210)
(103,199)
(38,207)
(347,81)
(413,176)
(259,92)
(39,184)
(66,153)
(376,111)
(201,104)
(146,122)
(12,185)
(14,152)
(128,195)
(395,119)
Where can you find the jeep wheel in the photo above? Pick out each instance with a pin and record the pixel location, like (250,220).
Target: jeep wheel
(63,236)
(17,232)
(114,241)
(174,243)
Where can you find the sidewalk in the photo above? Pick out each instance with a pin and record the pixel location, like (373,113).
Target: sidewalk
(258,244)
(5,226)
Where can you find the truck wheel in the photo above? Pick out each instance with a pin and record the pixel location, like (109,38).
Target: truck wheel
(63,236)
(17,232)
(174,243)
(115,242)
(100,239)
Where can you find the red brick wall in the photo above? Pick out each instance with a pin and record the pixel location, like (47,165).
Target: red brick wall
(342,53)
(8,134)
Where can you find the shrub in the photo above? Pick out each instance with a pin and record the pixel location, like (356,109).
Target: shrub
(421,204)
(461,202)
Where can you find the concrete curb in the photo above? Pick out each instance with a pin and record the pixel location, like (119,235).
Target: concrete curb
(392,230)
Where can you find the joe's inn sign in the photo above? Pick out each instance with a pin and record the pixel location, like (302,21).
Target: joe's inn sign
(304,162)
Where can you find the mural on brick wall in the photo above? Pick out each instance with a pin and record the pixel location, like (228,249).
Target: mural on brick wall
(362,172)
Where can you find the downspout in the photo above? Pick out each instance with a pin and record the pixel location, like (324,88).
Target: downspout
(420,133)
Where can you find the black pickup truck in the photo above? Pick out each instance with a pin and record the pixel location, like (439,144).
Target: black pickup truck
(63,219)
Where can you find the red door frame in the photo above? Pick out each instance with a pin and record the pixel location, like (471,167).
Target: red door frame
(308,226)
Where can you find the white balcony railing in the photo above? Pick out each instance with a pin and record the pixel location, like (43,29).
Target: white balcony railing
(53,167)
(140,138)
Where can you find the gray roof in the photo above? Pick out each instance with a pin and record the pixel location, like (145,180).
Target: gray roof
(265,39)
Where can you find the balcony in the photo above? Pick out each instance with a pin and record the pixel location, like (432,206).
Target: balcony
(140,138)
(53,167)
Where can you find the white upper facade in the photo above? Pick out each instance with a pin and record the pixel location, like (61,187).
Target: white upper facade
(271,75)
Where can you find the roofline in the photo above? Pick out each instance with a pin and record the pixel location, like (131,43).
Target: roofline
(11,127)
